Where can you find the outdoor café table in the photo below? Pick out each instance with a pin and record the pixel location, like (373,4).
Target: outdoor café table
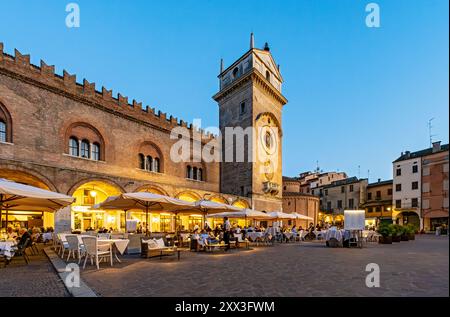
(254,235)
(47,237)
(320,233)
(336,234)
(7,248)
(119,245)
(288,235)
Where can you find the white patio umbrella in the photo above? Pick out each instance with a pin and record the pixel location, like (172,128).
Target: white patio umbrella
(302,217)
(282,215)
(244,213)
(144,201)
(207,206)
(20,197)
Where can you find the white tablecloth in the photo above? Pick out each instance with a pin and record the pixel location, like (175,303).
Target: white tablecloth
(321,234)
(288,235)
(47,236)
(121,244)
(254,235)
(7,248)
(336,234)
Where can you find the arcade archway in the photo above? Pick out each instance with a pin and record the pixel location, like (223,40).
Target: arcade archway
(25,218)
(89,193)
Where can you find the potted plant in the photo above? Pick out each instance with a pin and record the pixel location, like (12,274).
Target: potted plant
(396,233)
(404,233)
(386,234)
(411,231)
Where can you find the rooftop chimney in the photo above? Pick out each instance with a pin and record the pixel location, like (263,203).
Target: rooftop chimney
(436,146)
(379,180)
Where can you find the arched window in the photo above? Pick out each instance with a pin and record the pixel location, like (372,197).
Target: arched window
(74,147)
(2,131)
(141,161)
(156,165)
(268,75)
(235,72)
(200,174)
(85,149)
(188,171)
(149,165)
(194,174)
(96,152)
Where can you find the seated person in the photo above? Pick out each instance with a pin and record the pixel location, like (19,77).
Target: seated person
(24,235)
(294,230)
(237,230)
(250,229)
(211,238)
(12,235)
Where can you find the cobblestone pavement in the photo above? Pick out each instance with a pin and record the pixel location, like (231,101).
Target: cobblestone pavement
(413,268)
(37,279)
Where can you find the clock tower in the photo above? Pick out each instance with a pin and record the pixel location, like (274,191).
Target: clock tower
(250,107)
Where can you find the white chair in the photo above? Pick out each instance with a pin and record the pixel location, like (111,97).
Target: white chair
(74,247)
(96,251)
(63,246)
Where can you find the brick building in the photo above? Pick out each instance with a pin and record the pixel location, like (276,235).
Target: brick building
(76,139)
(296,201)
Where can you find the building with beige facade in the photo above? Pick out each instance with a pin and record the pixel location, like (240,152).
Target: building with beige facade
(420,187)
(378,205)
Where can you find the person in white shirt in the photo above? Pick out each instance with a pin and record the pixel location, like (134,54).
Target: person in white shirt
(226,233)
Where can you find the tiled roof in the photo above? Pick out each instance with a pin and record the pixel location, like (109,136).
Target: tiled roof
(418,154)
(387,182)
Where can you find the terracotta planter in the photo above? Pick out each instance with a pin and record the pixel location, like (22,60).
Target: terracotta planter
(404,237)
(385,240)
(411,236)
(396,238)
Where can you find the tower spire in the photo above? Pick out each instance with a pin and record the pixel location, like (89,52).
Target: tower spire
(252,40)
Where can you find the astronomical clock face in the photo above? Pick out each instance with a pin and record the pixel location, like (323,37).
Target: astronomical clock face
(269,139)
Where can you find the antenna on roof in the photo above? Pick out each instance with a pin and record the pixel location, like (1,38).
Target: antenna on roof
(368,176)
(252,40)
(359,171)
(317,166)
(430,129)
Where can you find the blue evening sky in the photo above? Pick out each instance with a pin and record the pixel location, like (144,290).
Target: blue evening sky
(357,95)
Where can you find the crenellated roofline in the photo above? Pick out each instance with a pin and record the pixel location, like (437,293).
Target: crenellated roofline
(19,67)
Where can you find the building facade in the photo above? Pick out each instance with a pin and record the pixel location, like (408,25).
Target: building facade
(311,180)
(250,107)
(378,205)
(435,187)
(298,202)
(419,187)
(70,137)
(346,194)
